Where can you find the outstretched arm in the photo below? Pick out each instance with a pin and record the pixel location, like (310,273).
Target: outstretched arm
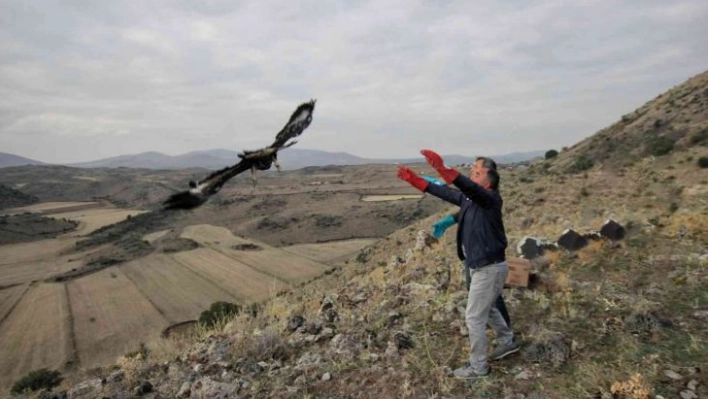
(443,192)
(472,190)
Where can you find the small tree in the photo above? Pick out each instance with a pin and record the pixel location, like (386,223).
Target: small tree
(36,380)
(551,154)
(660,146)
(703,162)
(581,164)
(218,311)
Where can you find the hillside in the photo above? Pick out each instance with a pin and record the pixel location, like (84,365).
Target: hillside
(674,120)
(10,198)
(625,317)
(615,319)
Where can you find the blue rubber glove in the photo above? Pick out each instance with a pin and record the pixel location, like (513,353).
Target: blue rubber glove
(441,225)
(433,180)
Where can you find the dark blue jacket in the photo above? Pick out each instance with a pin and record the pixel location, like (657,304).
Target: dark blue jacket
(481,239)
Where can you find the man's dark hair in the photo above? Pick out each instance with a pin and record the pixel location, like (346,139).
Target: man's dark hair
(494,179)
(487,163)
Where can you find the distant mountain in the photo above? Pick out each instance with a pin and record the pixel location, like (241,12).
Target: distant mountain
(292,158)
(7,160)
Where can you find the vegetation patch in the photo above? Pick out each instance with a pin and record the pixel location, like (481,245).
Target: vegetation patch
(581,164)
(36,380)
(660,145)
(218,311)
(32,227)
(11,198)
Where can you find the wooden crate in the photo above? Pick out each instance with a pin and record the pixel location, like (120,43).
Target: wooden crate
(519,270)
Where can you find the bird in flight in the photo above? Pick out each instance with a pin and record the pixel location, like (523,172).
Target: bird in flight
(262,159)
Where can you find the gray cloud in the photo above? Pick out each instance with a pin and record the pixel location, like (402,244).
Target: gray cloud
(86,80)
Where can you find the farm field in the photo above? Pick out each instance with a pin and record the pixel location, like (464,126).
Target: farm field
(111,317)
(93,219)
(391,197)
(177,291)
(27,262)
(275,262)
(36,333)
(245,283)
(329,251)
(44,207)
(152,237)
(9,297)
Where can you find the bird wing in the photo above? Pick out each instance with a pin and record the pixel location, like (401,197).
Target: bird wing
(200,191)
(298,122)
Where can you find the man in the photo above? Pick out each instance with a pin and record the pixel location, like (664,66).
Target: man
(482,164)
(481,244)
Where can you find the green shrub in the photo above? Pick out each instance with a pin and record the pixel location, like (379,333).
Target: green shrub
(551,154)
(581,164)
(36,380)
(700,138)
(703,162)
(659,146)
(218,311)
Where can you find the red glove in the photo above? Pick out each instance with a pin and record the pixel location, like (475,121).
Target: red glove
(434,160)
(405,173)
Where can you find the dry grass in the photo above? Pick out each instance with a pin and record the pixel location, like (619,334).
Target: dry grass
(36,334)
(111,317)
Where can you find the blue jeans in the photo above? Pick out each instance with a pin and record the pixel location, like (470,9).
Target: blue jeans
(486,284)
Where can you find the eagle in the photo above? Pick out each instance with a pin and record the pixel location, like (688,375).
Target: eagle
(262,159)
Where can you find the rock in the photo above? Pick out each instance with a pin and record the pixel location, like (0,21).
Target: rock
(420,290)
(613,230)
(295,322)
(53,395)
(307,361)
(531,247)
(326,303)
(396,262)
(145,387)
(550,347)
(326,377)
(184,390)
(345,345)
(438,317)
(688,394)
(701,314)
(572,241)
(424,241)
(116,376)
(208,388)
(358,298)
(85,389)
(330,315)
(442,273)
(403,340)
(410,255)
(672,374)
(692,385)
(524,375)
(391,352)
(326,333)
(394,317)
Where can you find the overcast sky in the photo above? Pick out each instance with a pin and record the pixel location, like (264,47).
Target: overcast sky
(82,80)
